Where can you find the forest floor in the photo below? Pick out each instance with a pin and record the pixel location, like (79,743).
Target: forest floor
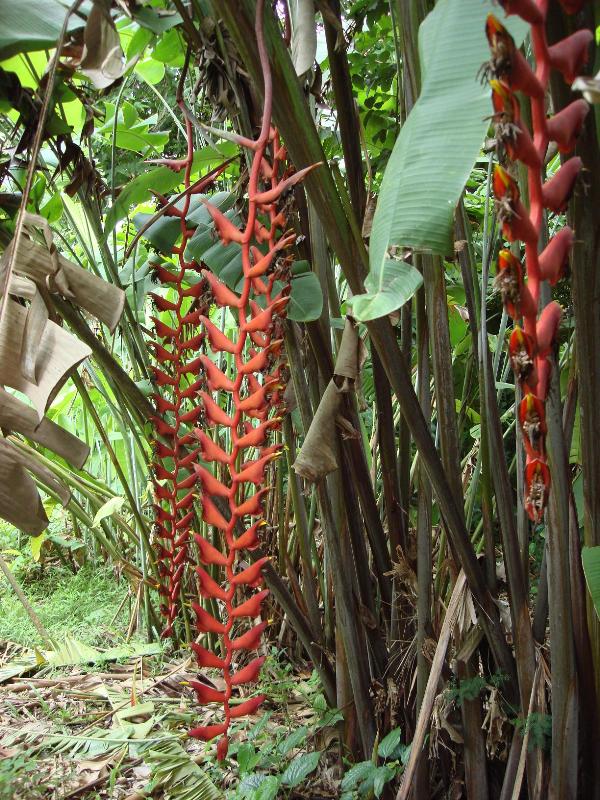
(104,715)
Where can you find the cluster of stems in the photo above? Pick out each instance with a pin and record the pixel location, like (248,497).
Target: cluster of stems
(534,335)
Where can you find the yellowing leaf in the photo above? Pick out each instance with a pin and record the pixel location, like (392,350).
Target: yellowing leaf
(108,509)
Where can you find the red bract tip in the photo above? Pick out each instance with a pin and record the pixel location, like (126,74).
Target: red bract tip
(219,343)
(209,483)
(208,553)
(250,574)
(564,127)
(570,55)
(211,514)
(507,62)
(537,486)
(225,228)
(249,673)
(205,622)
(208,732)
(222,748)
(249,640)
(547,327)
(553,260)
(223,295)
(557,192)
(251,607)
(526,9)
(511,211)
(246,708)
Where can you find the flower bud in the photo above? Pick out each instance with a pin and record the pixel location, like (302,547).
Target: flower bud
(571,54)
(547,327)
(509,282)
(511,211)
(565,126)
(512,134)
(554,258)
(557,192)
(537,486)
(520,351)
(507,62)
(532,418)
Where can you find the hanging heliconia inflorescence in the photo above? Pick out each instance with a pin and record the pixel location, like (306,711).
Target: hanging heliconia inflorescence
(241,403)
(520,282)
(177,382)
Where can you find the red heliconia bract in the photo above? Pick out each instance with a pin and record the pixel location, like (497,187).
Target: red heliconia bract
(248,382)
(531,345)
(174,399)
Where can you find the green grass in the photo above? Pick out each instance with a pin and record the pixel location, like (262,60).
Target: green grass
(80,605)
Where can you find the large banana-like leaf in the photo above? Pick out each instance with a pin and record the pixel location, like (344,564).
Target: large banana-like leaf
(439,143)
(590,557)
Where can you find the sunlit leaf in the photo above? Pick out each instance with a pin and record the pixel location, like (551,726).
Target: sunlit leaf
(424,179)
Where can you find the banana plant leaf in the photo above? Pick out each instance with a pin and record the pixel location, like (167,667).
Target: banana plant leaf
(441,139)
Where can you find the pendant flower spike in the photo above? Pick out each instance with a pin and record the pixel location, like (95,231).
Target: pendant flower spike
(242,400)
(520,282)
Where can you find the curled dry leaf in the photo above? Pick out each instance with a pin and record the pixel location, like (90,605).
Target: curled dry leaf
(102,59)
(317,457)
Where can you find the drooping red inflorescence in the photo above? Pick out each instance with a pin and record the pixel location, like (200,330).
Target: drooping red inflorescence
(241,403)
(177,380)
(531,344)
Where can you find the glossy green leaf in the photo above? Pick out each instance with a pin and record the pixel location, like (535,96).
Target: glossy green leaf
(590,557)
(389,743)
(441,138)
(151,71)
(34,25)
(160,179)
(162,234)
(306,298)
(387,288)
(300,768)
(157,23)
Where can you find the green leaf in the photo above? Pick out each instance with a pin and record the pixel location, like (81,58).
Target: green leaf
(160,179)
(162,234)
(381,776)
(357,774)
(157,23)
(247,757)
(293,741)
(424,179)
(389,743)
(140,39)
(590,557)
(388,286)
(300,768)
(170,49)
(36,543)
(306,298)
(151,71)
(34,25)
(268,789)
(110,507)
(53,209)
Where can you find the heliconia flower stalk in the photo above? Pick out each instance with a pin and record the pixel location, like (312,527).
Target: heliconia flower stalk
(531,344)
(249,378)
(173,346)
